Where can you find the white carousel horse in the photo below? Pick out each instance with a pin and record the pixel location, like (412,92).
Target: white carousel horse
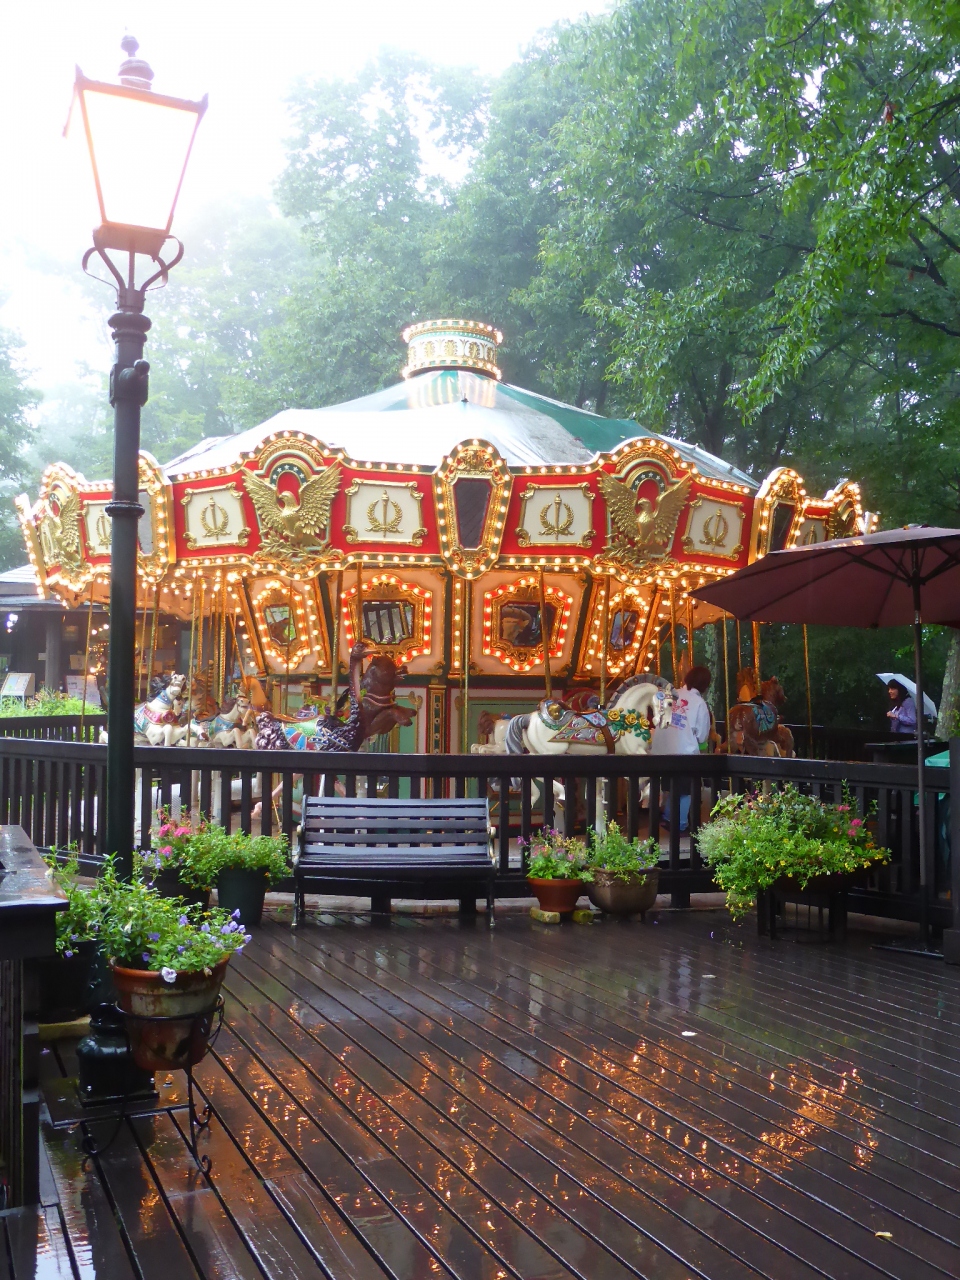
(625,727)
(158,721)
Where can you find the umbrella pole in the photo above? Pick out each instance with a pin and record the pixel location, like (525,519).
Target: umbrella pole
(922,833)
(806,671)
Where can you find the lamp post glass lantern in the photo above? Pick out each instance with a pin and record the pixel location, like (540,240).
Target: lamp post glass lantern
(139,144)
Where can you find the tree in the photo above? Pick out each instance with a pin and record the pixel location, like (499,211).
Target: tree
(367,181)
(16,428)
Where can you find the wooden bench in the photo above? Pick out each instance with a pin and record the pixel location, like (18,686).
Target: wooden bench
(395,849)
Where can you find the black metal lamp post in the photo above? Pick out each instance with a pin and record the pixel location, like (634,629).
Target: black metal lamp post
(139,143)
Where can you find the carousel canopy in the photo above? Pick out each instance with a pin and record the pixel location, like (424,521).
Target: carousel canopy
(450,520)
(422,419)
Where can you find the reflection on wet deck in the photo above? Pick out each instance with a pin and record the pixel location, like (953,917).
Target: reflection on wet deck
(429,1098)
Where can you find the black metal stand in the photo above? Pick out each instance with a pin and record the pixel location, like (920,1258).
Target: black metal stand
(199,1120)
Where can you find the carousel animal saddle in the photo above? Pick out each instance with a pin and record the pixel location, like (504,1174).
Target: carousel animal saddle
(765,712)
(148,713)
(587,728)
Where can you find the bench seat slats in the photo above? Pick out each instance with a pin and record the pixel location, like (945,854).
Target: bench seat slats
(419,848)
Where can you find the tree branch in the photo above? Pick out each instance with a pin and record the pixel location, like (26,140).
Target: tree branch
(917,319)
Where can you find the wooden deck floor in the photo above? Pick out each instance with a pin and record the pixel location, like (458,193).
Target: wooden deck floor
(432,1099)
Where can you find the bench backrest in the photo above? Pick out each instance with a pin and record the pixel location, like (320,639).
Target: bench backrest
(337,825)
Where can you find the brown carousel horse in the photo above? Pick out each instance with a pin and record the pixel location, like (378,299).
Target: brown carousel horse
(376,711)
(753,726)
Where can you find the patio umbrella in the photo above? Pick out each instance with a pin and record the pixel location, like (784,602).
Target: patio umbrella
(929,706)
(895,578)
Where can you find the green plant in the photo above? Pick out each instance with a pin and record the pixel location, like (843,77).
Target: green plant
(269,854)
(754,840)
(194,854)
(46,702)
(552,856)
(81,921)
(611,851)
(141,930)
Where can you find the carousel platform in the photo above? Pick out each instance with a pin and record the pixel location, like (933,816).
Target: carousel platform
(429,1097)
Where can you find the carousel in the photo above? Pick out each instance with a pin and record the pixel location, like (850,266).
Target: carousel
(475,543)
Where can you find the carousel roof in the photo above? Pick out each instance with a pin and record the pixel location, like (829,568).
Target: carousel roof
(421,420)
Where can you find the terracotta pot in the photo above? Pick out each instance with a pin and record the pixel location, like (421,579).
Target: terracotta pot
(169,885)
(624,897)
(556,895)
(187,1005)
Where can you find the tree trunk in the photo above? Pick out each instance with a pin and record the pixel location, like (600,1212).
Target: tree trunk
(948,723)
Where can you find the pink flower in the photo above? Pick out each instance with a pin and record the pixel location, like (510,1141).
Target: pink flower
(182,831)
(167,851)
(843,808)
(165,829)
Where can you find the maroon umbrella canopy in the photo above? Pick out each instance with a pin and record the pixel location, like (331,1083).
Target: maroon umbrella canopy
(853,582)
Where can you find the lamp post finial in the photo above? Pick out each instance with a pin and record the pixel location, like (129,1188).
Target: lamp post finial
(135,72)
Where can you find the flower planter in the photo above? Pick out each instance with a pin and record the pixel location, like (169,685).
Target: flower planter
(556,895)
(242,889)
(622,897)
(186,1005)
(64,984)
(169,885)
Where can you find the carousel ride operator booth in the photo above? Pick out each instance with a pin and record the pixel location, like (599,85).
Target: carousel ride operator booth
(452,522)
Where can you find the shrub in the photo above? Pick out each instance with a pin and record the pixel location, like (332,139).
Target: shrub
(611,851)
(552,856)
(754,840)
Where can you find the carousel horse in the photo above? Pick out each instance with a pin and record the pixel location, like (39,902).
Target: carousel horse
(624,727)
(234,725)
(376,712)
(159,721)
(754,727)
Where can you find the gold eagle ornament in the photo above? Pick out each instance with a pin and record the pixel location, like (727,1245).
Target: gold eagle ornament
(63,531)
(648,526)
(289,524)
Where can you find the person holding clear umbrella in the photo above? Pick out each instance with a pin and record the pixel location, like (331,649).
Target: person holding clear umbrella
(903,712)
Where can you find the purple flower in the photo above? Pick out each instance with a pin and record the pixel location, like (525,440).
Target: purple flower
(153,937)
(183,920)
(204,928)
(235,915)
(181,950)
(146,957)
(228,928)
(68,954)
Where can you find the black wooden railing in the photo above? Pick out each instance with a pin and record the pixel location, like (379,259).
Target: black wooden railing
(55,791)
(62,728)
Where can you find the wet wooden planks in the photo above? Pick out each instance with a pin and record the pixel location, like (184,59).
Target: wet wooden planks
(432,1098)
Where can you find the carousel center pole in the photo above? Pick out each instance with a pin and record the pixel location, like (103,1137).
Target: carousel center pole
(726,670)
(86,663)
(755,630)
(806,671)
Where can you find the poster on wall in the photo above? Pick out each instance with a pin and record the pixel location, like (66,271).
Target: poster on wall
(75,690)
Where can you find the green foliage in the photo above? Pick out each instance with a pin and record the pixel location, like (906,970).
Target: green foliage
(611,851)
(552,856)
(80,922)
(192,853)
(46,702)
(136,928)
(269,854)
(197,854)
(754,840)
(140,930)
(16,401)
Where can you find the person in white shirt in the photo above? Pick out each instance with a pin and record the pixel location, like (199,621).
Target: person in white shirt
(688,732)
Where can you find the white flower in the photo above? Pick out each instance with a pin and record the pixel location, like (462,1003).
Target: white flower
(168,975)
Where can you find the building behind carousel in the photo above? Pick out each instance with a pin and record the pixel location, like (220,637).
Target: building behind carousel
(450,522)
